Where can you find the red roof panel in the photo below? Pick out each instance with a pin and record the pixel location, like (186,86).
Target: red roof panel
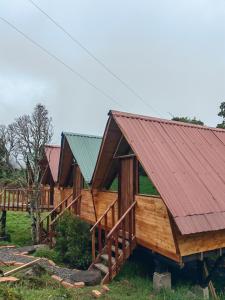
(53,154)
(186,163)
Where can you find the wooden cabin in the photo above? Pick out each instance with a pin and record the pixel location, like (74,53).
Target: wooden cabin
(18,198)
(78,157)
(50,164)
(158,184)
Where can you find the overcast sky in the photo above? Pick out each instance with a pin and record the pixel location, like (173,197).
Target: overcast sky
(172,53)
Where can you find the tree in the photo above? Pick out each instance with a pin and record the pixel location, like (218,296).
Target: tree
(188,120)
(222,114)
(30,134)
(6,150)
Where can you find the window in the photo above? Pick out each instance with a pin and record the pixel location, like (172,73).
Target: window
(145,184)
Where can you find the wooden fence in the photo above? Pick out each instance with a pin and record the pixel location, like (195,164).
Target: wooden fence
(18,199)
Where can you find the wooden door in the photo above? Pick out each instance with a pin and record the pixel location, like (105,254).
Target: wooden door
(127,183)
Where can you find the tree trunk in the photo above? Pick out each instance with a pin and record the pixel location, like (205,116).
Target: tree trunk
(35,213)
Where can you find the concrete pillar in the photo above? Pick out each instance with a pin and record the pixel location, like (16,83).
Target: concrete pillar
(161,281)
(202,292)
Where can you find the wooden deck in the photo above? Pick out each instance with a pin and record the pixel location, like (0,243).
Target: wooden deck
(18,199)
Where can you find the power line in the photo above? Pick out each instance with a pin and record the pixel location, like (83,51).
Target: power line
(83,78)
(76,41)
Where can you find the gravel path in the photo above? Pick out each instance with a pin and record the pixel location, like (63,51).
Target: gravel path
(69,275)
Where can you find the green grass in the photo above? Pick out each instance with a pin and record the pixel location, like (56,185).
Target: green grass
(18,225)
(133,283)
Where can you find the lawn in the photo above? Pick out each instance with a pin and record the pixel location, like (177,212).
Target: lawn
(18,225)
(133,283)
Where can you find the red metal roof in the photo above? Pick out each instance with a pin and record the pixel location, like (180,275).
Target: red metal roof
(53,154)
(186,163)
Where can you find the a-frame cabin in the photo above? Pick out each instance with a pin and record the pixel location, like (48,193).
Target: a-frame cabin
(77,161)
(50,163)
(170,181)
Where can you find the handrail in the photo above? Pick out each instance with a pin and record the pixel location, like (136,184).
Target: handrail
(105,213)
(120,220)
(72,202)
(54,209)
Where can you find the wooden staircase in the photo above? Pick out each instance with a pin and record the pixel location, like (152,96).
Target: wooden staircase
(47,225)
(116,244)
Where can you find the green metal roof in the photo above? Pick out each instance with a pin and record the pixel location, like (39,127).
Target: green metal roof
(85,150)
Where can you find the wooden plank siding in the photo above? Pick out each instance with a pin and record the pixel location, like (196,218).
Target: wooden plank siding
(153,226)
(153,229)
(201,242)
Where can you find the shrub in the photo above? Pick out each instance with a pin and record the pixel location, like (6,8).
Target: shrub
(73,242)
(47,253)
(7,293)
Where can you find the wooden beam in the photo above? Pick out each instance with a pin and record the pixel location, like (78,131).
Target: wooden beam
(22,267)
(124,156)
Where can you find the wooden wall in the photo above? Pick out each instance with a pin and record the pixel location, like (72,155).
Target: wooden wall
(200,242)
(153,227)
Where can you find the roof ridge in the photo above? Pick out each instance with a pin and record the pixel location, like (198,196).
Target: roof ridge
(81,135)
(160,120)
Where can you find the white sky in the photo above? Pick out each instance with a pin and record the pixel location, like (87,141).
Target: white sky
(171,52)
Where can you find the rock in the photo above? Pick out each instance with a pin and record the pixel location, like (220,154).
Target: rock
(161,281)
(201,292)
(8,279)
(57,278)
(105,288)
(96,294)
(18,264)
(79,284)
(51,263)
(88,277)
(9,263)
(9,246)
(67,284)
(36,270)
(191,295)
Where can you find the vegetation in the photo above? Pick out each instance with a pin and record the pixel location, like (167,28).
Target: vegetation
(22,144)
(146,187)
(73,242)
(188,120)
(134,282)
(18,226)
(222,115)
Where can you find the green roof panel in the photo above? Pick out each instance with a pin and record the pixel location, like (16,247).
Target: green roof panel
(85,150)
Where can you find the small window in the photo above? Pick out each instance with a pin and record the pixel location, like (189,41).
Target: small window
(146,186)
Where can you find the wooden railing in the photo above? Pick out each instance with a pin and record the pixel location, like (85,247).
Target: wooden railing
(48,223)
(45,223)
(103,222)
(18,199)
(124,230)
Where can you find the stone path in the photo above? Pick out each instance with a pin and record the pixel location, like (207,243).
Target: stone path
(69,275)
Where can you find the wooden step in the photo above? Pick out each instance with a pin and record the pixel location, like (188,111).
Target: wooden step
(105,257)
(104,269)
(119,250)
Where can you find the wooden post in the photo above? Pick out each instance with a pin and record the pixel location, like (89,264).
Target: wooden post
(93,245)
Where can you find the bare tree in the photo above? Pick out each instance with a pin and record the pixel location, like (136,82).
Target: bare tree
(30,134)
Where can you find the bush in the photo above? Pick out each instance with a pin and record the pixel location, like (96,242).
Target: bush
(73,242)
(7,293)
(47,253)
